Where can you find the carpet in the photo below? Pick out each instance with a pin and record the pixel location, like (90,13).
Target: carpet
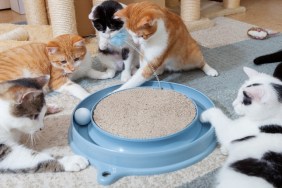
(228,60)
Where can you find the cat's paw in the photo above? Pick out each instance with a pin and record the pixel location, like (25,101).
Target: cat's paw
(125,76)
(223,150)
(74,163)
(53,109)
(209,70)
(208,114)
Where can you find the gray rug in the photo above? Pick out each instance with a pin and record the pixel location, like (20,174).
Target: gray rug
(228,60)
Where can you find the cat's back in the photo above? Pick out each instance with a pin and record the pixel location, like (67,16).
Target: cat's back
(29,60)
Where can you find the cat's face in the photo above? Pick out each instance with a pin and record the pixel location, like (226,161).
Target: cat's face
(141,20)
(22,104)
(66,52)
(102,17)
(259,97)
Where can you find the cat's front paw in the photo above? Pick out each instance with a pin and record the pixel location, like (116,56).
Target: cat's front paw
(223,150)
(207,115)
(125,76)
(53,109)
(74,163)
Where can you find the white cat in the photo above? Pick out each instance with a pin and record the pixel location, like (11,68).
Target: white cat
(22,110)
(253,141)
(117,50)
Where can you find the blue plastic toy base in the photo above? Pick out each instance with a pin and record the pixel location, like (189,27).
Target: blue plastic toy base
(115,158)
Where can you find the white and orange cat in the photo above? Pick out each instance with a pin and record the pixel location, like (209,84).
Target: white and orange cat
(164,41)
(64,59)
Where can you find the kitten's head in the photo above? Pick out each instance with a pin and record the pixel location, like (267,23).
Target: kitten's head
(22,104)
(141,20)
(66,52)
(103,19)
(260,97)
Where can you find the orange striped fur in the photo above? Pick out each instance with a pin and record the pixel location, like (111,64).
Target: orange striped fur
(35,59)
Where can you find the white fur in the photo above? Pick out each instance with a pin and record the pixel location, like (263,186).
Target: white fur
(267,111)
(21,157)
(152,48)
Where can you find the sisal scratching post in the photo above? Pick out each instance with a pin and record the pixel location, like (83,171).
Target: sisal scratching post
(97,2)
(36,13)
(62,16)
(231,3)
(190,10)
(18,34)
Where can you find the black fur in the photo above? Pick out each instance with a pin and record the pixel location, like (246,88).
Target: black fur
(109,52)
(278,89)
(104,16)
(26,82)
(272,129)
(271,58)
(253,85)
(124,53)
(269,167)
(246,100)
(243,139)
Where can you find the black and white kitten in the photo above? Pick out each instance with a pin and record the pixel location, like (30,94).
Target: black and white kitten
(272,58)
(253,141)
(117,50)
(22,110)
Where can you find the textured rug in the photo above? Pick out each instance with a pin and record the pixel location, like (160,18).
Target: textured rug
(228,60)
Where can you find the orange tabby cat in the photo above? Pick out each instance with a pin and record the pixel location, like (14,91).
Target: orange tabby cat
(64,58)
(164,40)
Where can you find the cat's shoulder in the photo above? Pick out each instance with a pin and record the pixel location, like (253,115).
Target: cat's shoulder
(26,47)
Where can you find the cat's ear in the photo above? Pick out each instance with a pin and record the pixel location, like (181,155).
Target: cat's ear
(250,72)
(146,21)
(28,96)
(255,93)
(121,14)
(80,43)
(91,14)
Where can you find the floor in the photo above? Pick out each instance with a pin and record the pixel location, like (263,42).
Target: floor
(263,13)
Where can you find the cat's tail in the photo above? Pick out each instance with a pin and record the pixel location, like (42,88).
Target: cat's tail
(269,168)
(269,58)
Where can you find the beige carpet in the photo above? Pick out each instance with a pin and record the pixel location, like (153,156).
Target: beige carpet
(54,136)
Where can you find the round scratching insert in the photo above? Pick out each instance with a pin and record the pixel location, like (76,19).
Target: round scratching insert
(144,113)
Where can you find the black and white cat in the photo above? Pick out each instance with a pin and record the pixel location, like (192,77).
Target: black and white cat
(117,50)
(22,110)
(272,58)
(253,141)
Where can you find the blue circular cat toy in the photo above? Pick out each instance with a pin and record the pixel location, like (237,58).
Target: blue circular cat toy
(115,157)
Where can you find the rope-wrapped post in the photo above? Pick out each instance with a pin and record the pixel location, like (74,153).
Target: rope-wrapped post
(190,10)
(19,34)
(36,13)
(62,17)
(231,3)
(97,2)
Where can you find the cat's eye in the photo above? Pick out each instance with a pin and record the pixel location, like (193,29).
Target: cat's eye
(33,117)
(64,62)
(76,59)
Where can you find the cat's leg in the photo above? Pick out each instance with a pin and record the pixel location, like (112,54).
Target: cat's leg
(136,80)
(221,123)
(127,60)
(19,159)
(74,89)
(208,70)
(95,74)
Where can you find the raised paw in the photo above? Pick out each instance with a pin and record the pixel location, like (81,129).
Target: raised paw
(223,150)
(125,76)
(53,109)
(208,114)
(74,163)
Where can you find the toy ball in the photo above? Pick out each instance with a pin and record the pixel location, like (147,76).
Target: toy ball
(82,116)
